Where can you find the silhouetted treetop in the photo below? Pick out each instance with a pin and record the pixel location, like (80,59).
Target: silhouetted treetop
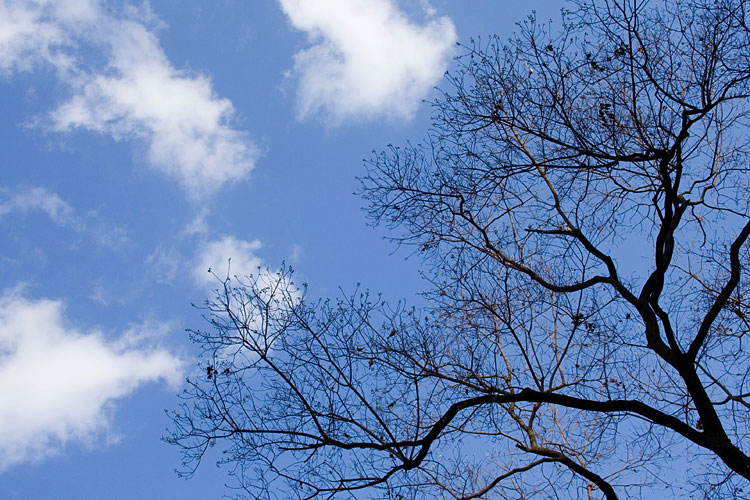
(581,208)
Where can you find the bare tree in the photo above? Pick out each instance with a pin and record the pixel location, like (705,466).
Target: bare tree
(581,205)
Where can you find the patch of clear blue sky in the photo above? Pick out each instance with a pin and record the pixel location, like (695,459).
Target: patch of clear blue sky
(298,201)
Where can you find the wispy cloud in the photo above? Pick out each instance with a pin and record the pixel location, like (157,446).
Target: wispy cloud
(39,199)
(135,94)
(59,382)
(42,31)
(367,60)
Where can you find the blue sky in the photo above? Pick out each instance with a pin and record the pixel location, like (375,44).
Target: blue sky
(144,142)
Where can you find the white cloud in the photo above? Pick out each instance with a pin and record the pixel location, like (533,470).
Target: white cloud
(261,297)
(138,94)
(367,58)
(41,30)
(167,263)
(59,383)
(184,123)
(297,253)
(198,225)
(42,200)
(215,256)
(39,199)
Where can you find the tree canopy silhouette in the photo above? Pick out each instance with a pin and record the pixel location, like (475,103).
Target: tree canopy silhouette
(581,206)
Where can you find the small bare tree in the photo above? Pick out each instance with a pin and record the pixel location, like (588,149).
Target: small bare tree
(582,207)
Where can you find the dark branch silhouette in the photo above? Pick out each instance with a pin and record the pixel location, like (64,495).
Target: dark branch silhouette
(582,209)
